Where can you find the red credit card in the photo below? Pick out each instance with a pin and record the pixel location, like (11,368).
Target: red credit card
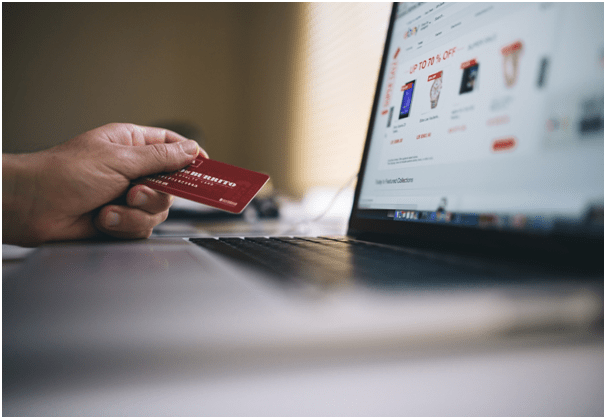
(210,182)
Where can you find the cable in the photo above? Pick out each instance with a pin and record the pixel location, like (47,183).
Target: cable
(296,226)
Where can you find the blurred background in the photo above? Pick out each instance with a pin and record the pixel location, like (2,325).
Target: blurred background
(281,88)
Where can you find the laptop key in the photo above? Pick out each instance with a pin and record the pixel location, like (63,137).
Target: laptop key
(280,259)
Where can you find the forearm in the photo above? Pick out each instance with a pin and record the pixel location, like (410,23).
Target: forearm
(18,191)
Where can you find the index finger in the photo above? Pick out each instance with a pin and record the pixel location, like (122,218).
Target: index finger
(143,135)
(155,135)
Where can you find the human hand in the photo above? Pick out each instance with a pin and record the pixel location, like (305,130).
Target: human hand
(71,191)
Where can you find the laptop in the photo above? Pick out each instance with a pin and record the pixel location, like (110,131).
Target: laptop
(478,211)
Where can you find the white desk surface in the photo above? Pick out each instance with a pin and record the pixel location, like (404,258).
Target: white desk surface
(531,373)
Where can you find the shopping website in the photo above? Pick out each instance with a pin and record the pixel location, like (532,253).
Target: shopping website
(490,107)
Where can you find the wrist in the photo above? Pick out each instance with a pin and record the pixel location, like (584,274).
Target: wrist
(19,186)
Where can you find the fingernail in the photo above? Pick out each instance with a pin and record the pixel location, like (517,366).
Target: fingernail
(140,199)
(203,152)
(190,147)
(112,219)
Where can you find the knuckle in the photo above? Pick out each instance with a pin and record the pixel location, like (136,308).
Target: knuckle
(121,128)
(134,133)
(163,216)
(127,132)
(150,222)
(164,202)
(132,128)
(112,126)
(160,153)
(168,199)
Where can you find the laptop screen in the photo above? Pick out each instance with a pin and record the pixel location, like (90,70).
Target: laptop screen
(489,116)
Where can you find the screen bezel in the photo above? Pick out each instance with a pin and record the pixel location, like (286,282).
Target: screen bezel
(552,245)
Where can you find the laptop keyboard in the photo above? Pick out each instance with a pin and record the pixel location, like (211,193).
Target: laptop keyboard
(335,260)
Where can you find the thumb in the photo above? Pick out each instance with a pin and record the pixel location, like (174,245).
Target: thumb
(164,157)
